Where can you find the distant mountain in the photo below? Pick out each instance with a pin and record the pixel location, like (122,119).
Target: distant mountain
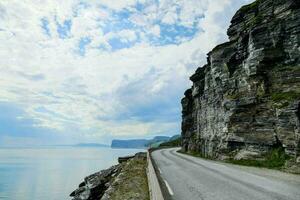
(138,143)
(174,141)
(168,142)
(175,137)
(90,145)
(160,138)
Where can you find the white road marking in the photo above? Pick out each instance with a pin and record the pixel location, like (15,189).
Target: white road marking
(169,188)
(159,171)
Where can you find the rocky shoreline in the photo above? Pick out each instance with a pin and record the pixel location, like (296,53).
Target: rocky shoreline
(111,183)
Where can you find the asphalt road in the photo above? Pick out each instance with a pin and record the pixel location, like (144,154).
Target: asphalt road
(188,178)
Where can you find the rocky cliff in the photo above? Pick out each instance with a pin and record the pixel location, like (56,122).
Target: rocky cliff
(246,100)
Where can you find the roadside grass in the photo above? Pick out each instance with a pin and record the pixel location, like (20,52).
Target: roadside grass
(172,143)
(194,154)
(132,183)
(275,159)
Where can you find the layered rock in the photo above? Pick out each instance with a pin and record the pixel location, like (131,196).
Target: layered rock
(95,185)
(246,99)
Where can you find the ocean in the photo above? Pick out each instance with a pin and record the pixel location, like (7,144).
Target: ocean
(51,173)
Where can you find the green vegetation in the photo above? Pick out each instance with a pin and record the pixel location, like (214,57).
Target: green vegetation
(287,96)
(155,145)
(172,143)
(194,137)
(288,68)
(251,6)
(236,95)
(275,159)
(193,153)
(132,183)
(260,90)
(255,20)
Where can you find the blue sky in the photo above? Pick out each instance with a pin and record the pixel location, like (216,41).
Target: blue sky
(90,71)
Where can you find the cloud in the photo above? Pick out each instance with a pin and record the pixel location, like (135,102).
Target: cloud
(104,69)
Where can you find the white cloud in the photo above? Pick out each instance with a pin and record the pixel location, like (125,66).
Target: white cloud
(82,92)
(170,17)
(155,30)
(124,35)
(117,4)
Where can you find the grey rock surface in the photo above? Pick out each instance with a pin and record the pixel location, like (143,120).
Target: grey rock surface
(247,97)
(95,185)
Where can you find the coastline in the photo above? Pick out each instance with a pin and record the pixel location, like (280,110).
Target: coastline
(126,180)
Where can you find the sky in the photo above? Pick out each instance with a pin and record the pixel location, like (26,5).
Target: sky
(95,70)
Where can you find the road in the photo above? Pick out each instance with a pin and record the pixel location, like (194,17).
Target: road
(190,178)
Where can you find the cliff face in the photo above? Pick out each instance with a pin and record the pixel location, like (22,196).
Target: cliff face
(246,99)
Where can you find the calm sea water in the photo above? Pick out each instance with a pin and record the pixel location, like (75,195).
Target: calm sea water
(50,173)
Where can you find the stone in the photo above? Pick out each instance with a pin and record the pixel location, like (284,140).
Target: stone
(81,184)
(248,94)
(95,185)
(247,155)
(124,159)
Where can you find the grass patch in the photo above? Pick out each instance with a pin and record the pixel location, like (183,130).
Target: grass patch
(255,20)
(289,68)
(287,96)
(194,154)
(172,143)
(275,159)
(132,182)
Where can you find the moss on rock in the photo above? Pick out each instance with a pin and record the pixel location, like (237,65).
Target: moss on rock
(251,6)
(287,96)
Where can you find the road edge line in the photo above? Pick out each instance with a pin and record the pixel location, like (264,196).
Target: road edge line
(169,188)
